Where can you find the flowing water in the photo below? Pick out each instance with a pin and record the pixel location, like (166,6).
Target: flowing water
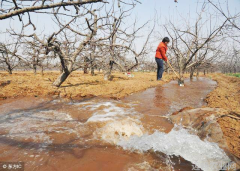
(103,134)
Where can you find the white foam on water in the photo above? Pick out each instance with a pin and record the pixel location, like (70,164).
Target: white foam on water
(81,103)
(92,105)
(117,130)
(179,142)
(109,112)
(36,125)
(142,166)
(25,128)
(52,114)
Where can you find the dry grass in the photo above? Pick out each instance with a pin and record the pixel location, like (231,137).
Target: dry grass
(78,85)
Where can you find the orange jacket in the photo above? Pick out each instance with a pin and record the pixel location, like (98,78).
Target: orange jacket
(161,51)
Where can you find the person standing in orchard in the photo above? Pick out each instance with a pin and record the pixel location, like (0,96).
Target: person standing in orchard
(161,56)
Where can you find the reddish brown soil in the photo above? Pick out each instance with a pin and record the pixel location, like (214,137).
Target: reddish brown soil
(78,85)
(227,96)
(227,93)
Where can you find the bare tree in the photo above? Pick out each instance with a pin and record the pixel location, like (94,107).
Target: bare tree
(230,18)
(76,37)
(230,60)
(14,8)
(121,44)
(9,59)
(192,44)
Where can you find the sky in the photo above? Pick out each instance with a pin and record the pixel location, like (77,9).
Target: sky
(158,11)
(145,11)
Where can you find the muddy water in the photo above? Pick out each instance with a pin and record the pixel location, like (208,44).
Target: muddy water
(169,98)
(102,134)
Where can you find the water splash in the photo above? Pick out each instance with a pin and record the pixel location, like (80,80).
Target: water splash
(179,142)
(117,130)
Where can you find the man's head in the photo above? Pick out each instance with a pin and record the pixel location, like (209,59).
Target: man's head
(166,40)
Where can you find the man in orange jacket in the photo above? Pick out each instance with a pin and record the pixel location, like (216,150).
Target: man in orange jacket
(161,56)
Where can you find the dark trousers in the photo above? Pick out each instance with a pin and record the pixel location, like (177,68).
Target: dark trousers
(160,68)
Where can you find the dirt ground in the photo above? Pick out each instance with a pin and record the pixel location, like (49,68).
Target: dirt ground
(78,85)
(227,93)
(227,96)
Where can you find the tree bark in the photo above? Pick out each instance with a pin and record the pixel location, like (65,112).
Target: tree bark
(9,71)
(47,6)
(108,71)
(42,70)
(61,79)
(85,70)
(191,73)
(9,67)
(197,73)
(61,69)
(181,66)
(107,74)
(92,69)
(34,69)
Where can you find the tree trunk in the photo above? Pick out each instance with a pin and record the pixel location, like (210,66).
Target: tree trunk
(85,70)
(61,69)
(92,68)
(34,62)
(34,69)
(204,72)
(107,74)
(42,70)
(191,73)
(92,71)
(9,71)
(197,73)
(108,71)
(181,69)
(61,79)
(9,68)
